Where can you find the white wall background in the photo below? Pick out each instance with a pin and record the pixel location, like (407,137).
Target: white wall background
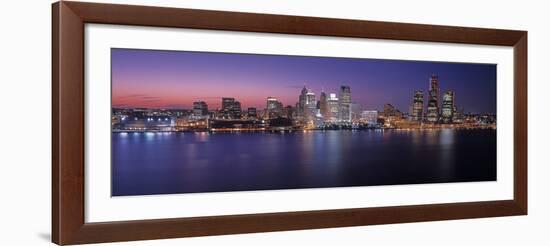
(25,122)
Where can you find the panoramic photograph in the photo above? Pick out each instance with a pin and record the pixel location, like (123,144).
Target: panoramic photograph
(193,122)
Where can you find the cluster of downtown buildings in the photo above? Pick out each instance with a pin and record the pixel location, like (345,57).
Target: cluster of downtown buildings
(330,111)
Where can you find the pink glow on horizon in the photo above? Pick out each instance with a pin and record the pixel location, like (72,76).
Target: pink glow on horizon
(181,94)
(174,80)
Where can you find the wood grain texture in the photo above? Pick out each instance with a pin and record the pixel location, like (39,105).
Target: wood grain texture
(218,225)
(250,22)
(68,121)
(520,122)
(55,122)
(68,224)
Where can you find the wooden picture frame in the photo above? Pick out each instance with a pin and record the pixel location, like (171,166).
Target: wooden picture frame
(68,223)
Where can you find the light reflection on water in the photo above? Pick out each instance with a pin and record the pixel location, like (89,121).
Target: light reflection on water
(447,152)
(159,163)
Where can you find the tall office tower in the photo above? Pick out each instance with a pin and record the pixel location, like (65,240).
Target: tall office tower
(323,105)
(227,107)
(432,115)
(319,119)
(448,108)
(311,106)
(318,110)
(288,112)
(418,106)
(236,110)
(273,107)
(301,107)
(252,113)
(227,102)
(345,101)
(200,108)
(333,108)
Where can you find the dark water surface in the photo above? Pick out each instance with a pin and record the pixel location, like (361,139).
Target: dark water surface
(165,163)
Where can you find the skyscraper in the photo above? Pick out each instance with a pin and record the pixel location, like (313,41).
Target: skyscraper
(311,106)
(252,113)
(288,112)
(418,106)
(200,108)
(227,107)
(345,101)
(333,108)
(448,108)
(236,110)
(432,115)
(227,102)
(323,105)
(273,107)
(231,109)
(301,107)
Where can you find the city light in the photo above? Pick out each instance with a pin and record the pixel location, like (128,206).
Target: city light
(337,111)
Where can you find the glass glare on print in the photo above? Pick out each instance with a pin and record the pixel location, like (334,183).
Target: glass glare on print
(188,122)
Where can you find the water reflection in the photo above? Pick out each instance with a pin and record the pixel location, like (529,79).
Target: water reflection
(447,136)
(447,142)
(159,163)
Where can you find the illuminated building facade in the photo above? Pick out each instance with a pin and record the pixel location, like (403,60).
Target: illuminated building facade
(369,117)
(274,108)
(345,104)
(311,106)
(448,108)
(301,105)
(417,112)
(236,110)
(146,123)
(231,109)
(227,107)
(252,113)
(333,108)
(200,108)
(432,114)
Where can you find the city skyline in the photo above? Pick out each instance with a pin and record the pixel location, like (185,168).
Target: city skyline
(177,79)
(185,122)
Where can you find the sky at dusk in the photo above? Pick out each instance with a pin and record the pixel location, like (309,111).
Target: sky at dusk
(175,79)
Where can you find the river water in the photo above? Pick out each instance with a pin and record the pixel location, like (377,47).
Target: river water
(168,163)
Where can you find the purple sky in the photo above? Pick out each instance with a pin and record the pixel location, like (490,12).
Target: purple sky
(175,79)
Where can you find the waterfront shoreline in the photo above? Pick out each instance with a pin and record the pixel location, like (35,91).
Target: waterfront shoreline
(304,130)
